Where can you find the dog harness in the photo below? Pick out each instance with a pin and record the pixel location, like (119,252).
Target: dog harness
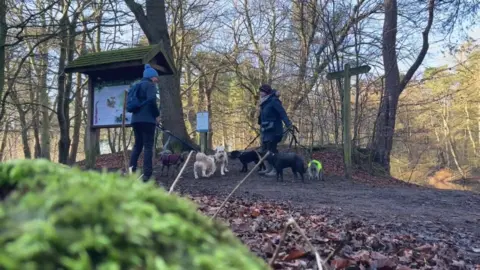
(317,164)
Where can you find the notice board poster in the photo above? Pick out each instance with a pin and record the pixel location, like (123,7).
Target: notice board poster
(108,105)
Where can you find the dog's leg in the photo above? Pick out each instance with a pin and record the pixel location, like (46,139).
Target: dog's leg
(222,168)
(279,175)
(262,166)
(195,166)
(244,167)
(214,168)
(204,171)
(226,165)
(295,176)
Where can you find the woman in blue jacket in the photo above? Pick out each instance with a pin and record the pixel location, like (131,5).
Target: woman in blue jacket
(271,119)
(144,121)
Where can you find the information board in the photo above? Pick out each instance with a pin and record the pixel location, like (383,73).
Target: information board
(202,121)
(108,106)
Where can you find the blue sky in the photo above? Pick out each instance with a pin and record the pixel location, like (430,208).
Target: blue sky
(435,57)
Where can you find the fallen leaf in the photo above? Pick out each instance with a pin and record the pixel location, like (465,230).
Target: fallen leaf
(424,248)
(294,255)
(361,256)
(268,248)
(381,261)
(403,267)
(255,212)
(340,263)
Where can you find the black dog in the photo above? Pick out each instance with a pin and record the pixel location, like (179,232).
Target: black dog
(281,161)
(246,157)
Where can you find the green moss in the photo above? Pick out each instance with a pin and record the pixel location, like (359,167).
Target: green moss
(113,56)
(71,219)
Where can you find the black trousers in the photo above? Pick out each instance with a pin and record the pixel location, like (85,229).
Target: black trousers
(144,136)
(272,147)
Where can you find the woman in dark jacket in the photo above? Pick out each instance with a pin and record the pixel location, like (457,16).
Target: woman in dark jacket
(144,121)
(272,114)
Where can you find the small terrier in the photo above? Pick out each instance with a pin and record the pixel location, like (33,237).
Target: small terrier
(315,170)
(246,157)
(204,163)
(169,159)
(222,158)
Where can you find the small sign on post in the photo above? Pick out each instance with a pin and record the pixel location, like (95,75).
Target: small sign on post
(346,110)
(202,128)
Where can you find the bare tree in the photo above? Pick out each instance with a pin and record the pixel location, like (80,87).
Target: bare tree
(393,84)
(3,40)
(154,24)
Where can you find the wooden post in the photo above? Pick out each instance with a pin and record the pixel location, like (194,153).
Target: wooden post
(347,141)
(346,111)
(202,128)
(91,133)
(124,135)
(203,141)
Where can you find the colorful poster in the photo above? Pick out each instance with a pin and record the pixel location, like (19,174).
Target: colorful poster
(108,106)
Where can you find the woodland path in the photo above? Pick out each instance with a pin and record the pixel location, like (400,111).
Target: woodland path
(455,210)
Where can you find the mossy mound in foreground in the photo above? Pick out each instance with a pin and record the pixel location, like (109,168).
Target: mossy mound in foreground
(60,218)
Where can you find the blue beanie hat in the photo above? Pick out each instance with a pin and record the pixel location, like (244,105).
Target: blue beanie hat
(149,72)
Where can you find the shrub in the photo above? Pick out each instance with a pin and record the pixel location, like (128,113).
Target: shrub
(61,218)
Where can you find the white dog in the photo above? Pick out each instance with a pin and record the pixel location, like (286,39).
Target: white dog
(222,158)
(205,163)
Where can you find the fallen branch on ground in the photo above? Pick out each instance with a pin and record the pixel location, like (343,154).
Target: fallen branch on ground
(180,173)
(239,184)
(313,249)
(282,238)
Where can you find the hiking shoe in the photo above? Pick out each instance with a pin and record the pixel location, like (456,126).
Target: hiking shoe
(271,173)
(268,168)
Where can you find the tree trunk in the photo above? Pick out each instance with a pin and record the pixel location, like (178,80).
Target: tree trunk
(469,130)
(3,38)
(111,141)
(24,133)
(77,120)
(154,25)
(62,114)
(45,103)
(210,117)
(385,128)
(4,141)
(192,119)
(37,147)
(67,52)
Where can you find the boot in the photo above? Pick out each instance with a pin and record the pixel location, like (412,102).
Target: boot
(271,173)
(268,168)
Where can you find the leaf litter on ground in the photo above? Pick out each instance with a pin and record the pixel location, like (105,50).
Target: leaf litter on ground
(392,245)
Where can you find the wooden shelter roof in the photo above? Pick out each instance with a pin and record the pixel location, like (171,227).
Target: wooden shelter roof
(123,59)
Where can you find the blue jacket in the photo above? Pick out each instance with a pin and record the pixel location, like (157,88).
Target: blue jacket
(149,111)
(272,114)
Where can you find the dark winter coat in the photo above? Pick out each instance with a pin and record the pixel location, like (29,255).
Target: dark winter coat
(272,114)
(149,111)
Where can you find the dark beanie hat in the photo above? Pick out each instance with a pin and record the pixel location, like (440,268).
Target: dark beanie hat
(266,88)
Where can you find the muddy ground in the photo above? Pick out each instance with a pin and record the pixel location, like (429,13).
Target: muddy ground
(402,204)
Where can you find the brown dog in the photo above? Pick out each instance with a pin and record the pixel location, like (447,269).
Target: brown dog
(168,159)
